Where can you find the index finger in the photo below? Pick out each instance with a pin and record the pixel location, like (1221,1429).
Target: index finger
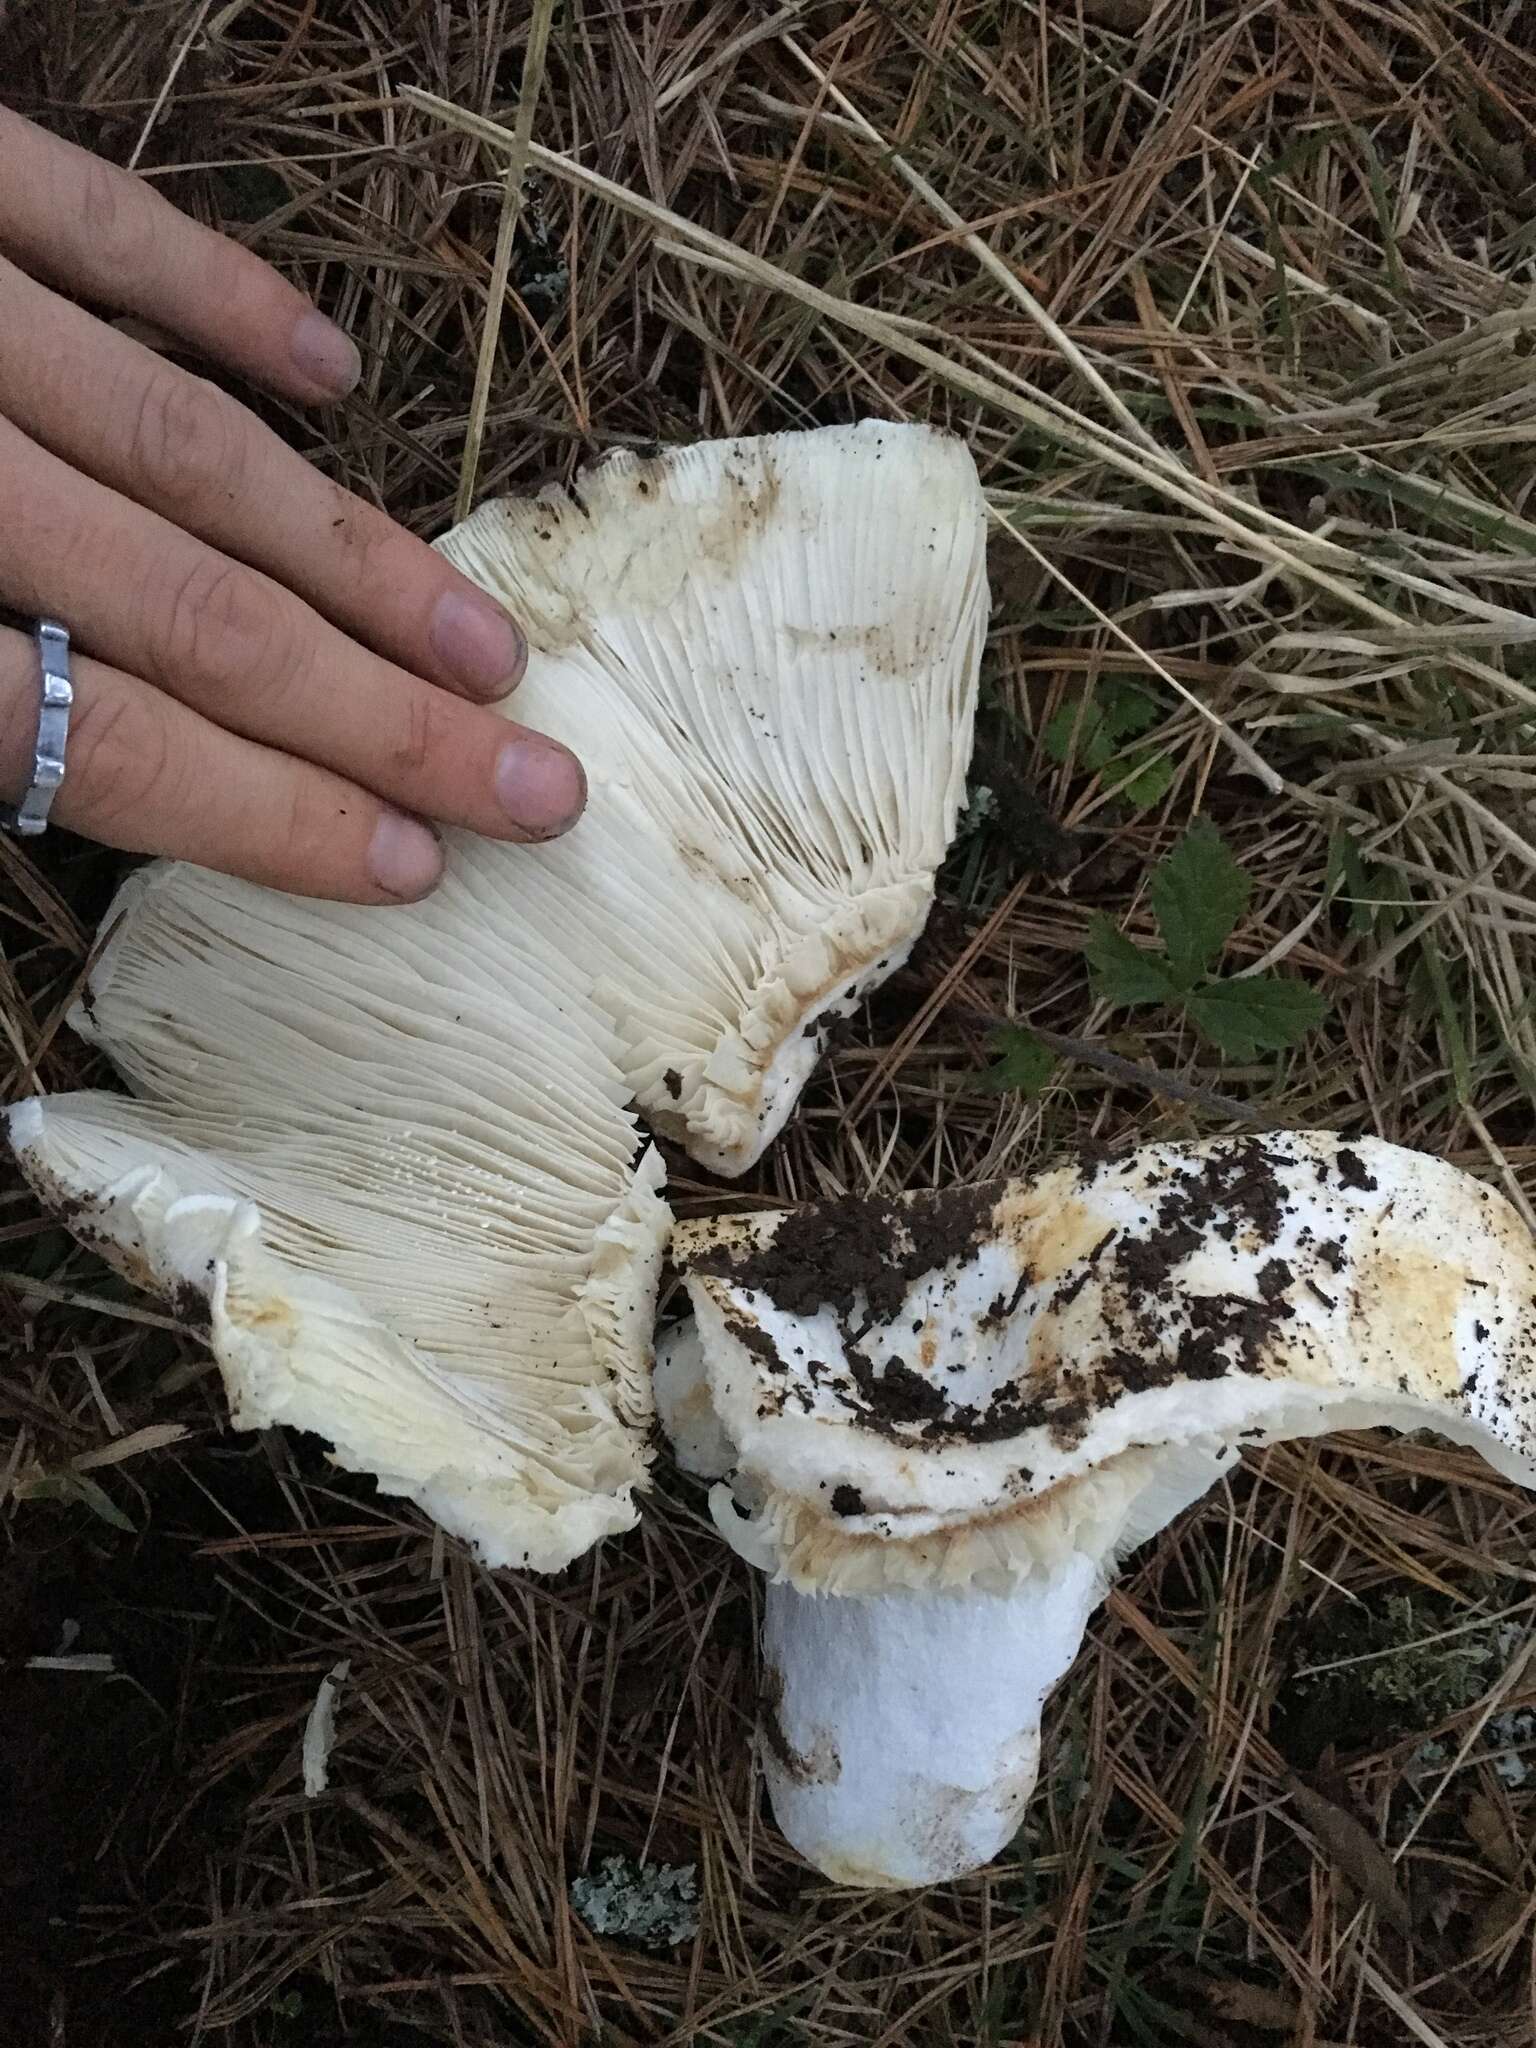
(181,447)
(84,225)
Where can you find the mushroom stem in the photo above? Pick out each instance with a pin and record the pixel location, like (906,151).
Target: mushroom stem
(902,1730)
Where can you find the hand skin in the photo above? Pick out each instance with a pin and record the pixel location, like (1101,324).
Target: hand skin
(271,678)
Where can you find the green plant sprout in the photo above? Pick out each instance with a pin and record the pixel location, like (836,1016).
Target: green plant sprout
(1198,894)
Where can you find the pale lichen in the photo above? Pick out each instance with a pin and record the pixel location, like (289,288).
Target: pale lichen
(654,1905)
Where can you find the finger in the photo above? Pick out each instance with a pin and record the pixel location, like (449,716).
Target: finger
(159,604)
(144,773)
(88,227)
(179,445)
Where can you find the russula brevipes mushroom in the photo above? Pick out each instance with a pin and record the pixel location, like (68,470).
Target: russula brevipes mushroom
(396,1173)
(946,1417)
(391,1150)
(766,651)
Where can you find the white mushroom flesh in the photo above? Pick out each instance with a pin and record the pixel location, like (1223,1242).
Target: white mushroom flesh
(936,1409)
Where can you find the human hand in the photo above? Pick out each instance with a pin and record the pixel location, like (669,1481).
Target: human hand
(270,677)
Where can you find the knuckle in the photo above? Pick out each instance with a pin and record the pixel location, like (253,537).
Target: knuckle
(225,627)
(184,444)
(118,763)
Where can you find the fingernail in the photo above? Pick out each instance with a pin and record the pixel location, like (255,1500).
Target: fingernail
(322,352)
(405,857)
(540,786)
(478,643)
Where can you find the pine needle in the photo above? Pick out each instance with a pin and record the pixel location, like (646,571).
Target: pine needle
(506,229)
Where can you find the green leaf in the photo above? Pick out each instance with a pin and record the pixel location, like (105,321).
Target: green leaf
(1090,730)
(1260,1013)
(1386,912)
(1127,709)
(1023,1063)
(1122,973)
(1198,894)
(1077,732)
(1146,777)
(1348,876)
(1060,730)
(100,1502)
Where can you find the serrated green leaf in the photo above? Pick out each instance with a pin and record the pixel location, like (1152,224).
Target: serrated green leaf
(1146,778)
(1126,708)
(1090,731)
(1123,973)
(1198,894)
(1260,1013)
(1077,732)
(1059,730)
(1023,1066)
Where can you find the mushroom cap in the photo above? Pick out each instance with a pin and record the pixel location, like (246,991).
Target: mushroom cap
(389,1151)
(766,652)
(958,1388)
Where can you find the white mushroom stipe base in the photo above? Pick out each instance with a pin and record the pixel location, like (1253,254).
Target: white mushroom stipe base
(389,1154)
(946,1417)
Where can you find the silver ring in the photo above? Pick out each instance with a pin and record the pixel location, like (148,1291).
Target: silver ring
(57,694)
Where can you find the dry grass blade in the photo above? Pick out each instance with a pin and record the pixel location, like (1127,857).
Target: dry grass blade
(501,262)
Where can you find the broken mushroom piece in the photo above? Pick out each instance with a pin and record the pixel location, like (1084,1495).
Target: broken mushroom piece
(387,1156)
(946,1417)
(766,652)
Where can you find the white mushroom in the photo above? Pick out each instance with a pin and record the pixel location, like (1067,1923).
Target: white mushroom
(766,652)
(393,1167)
(392,1150)
(947,1417)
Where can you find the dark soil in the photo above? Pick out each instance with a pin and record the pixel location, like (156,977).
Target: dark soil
(91,1773)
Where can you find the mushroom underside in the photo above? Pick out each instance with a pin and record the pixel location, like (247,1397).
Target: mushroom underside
(529,1463)
(767,653)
